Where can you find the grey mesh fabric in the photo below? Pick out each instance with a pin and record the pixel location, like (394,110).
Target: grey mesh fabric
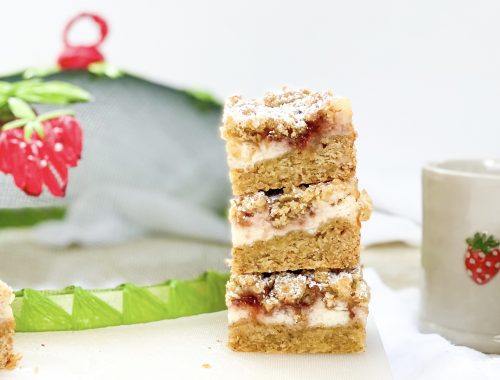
(152,161)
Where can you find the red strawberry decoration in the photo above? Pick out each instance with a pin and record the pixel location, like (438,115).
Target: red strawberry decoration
(482,258)
(37,150)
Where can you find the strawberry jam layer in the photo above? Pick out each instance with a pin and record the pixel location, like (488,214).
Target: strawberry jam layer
(307,136)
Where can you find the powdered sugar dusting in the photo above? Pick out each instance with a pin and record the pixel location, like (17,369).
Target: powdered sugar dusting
(289,287)
(283,112)
(299,287)
(331,279)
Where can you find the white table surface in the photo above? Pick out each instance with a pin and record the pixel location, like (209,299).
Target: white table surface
(185,348)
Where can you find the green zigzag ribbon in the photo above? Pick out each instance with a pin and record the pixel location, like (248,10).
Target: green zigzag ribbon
(75,308)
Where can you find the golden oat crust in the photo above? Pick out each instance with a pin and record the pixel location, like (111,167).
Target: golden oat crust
(334,157)
(336,244)
(250,336)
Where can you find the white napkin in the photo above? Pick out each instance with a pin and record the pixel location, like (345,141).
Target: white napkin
(413,355)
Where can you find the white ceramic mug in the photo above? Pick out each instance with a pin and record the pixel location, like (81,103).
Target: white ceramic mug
(461,252)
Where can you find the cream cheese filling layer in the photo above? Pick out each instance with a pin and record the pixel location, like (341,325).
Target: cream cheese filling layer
(261,227)
(247,154)
(316,315)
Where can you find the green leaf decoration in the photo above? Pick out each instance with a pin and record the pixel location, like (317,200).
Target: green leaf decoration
(14,124)
(5,112)
(203,96)
(140,305)
(40,72)
(5,87)
(203,100)
(21,109)
(53,114)
(39,312)
(51,92)
(483,242)
(105,69)
(24,84)
(37,91)
(89,311)
(77,309)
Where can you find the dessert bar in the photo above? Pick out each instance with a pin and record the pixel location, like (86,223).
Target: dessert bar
(7,326)
(288,138)
(299,311)
(304,227)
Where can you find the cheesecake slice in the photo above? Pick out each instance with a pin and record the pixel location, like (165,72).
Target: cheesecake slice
(298,312)
(8,358)
(303,227)
(288,138)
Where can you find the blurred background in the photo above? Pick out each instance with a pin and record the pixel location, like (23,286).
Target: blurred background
(422,76)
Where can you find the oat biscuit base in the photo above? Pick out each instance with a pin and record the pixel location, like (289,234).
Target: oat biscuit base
(250,336)
(333,158)
(336,244)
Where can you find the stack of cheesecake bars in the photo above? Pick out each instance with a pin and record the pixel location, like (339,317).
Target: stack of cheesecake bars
(296,284)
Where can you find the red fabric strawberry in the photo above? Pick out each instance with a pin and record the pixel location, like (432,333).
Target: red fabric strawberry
(482,259)
(41,157)
(66,137)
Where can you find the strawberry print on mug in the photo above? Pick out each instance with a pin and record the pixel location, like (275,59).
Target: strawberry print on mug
(482,258)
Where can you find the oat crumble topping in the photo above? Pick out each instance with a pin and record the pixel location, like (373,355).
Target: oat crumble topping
(299,288)
(283,113)
(291,204)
